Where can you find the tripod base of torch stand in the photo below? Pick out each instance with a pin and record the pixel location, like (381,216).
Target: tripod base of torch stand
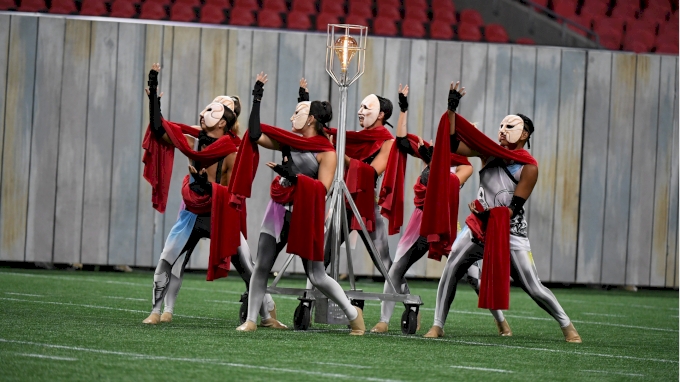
(326,311)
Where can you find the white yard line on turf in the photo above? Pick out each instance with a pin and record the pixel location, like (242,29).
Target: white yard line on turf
(612,372)
(602,314)
(136,356)
(482,369)
(224,302)
(619,304)
(24,294)
(126,298)
(46,357)
(343,364)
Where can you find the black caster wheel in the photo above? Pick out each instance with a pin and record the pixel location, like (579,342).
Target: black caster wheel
(243,311)
(303,316)
(358,303)
(409,321)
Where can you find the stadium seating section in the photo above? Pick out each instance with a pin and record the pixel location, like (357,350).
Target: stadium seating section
(633,25)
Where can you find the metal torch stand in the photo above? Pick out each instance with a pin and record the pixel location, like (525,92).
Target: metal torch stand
(326,311)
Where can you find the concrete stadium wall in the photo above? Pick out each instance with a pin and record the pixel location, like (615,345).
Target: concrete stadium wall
(73,112)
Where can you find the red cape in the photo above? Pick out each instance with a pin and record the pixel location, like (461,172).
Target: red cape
(159,156)
(392,191)
(308,195)
(363,143)
(225,225)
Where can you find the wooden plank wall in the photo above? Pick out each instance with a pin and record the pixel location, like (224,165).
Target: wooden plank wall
(604,210)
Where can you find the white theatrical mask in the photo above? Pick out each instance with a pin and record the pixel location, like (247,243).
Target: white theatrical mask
(511,128)
(369,110)
(215,110)
(299,118)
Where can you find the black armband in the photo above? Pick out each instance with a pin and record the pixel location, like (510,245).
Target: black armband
(426,153)
(153,79)
(454,100)
(454,143)
(254,128)
(517,204)
(303,95)
(403,103)
(286,171)
(258,91)
(201,185)
(404,146)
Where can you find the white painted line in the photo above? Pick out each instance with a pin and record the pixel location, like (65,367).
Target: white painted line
(344,364)
(24,294)
(619,304)
(482,369)
(198,360)
(126,298)
(602,314)
(46,357)
(224,302)
(612,372)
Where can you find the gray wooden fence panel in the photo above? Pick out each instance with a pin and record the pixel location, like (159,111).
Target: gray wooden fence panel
(473,78)
(664,152)
(619,153)
(594,174)
(672,259)
(240,80)
(183,99)
(98,143)
(522,89)
(145,213)
(319,82)
(17,136)
(497,88)
(642,176)
(212,82)
(568,171)
(165,85)
(4,64)
(72,132)
(45,140)
(416,112)
(125,177)
(430,119)
(544,147)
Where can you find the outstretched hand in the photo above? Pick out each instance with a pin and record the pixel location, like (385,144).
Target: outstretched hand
(262,77)
(403,101)
(455,95)
(403,90)
(303,84)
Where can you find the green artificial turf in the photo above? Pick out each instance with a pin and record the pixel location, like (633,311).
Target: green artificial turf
(59,325)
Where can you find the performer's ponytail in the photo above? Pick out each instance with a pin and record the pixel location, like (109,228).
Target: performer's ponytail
(323,113)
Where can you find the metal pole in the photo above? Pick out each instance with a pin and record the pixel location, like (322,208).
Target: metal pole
(339,176)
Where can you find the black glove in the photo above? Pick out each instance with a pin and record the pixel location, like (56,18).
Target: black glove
(454,99)
(201,185)
(155,105)
(286,171)
(258,91)
(303,94)
(403,103)
(426,153)
(153,80)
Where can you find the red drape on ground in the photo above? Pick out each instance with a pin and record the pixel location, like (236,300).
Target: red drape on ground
(158,157)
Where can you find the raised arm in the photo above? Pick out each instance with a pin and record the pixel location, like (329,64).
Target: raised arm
(155,104)
(457,146)
(254,128)
(402,142)
(303,92)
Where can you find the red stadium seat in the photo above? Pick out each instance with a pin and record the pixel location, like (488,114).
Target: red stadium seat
(633,41)
(416,4)
(384,27)
(241,17)
(361,9)
(268,18)
(389,3)
(389,12)
(307,7)
(583,22)
(471,17)
(416,14)
(640,26)
(224,4)
(443,5)
(299,21)
(543,3)
(667,48)
(565,8)
(191,3)
(246,4)
(446,16)
(7,5)
(93,8)
(412,29)
(441,30)
(164,3)
(525,41)
(275,5)
(469,32)
(62,7)
(495,33)
(123,9)
(33,6)
(594,7)
(212,14)
(625,9)
(611,38)
(182,12)
(152,11)
(323,19)
(636,46)
(356,20)
(613,22)
(654,15)
(668,30)
(332,7)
